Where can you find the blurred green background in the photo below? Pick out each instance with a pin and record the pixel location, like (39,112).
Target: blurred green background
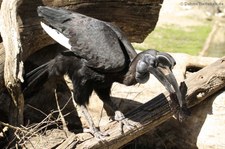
(171,38)
(185,28)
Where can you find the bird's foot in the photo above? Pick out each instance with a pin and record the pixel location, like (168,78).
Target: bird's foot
(97,133)
(124,122)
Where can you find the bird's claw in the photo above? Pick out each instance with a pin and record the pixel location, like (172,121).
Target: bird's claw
(124,122)
(96,133)
(100,135)
(127,124)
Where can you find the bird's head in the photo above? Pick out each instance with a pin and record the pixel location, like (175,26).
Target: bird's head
(159,64)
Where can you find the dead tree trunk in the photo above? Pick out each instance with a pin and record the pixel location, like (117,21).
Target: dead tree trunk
(2,61)
(13,59)
(201,85)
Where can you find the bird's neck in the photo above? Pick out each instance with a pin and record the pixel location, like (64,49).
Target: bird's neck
(129,77)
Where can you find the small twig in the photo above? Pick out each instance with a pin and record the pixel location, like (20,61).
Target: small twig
(34,129)
(37,109)
(66,104)
(28,140)
(61,115)
(25,133)
(14,127)
(37,125)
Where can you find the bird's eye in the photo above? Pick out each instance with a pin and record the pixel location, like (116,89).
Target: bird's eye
(153,62)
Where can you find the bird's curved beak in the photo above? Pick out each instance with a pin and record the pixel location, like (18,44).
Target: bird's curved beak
(167,78)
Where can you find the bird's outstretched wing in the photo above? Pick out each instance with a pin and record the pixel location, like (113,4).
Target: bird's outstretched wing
(99,43)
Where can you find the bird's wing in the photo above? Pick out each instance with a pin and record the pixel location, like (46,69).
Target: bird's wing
(88,38)
(129,48)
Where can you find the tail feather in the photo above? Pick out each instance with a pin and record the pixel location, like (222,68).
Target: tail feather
(54,68)
(38,75)
(34,71)
(53,15)
(36,78)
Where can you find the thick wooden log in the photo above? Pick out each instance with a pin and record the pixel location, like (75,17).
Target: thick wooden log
(201,85)
(137,18)
(2,62)
(13,58)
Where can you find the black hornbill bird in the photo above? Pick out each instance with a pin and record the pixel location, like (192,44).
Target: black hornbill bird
(98,54)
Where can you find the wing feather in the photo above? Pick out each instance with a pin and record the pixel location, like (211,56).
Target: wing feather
(96,41)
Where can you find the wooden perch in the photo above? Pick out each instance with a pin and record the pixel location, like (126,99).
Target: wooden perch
(200,85)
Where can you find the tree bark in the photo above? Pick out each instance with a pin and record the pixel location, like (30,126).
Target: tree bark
(2,61)
(137,18)
(13,59)
(201,85)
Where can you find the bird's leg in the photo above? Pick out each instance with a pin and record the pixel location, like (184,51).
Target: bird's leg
(82,93)
(92,129)
(104,95)
(119,116)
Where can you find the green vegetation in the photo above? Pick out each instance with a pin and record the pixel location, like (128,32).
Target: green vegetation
(172,38)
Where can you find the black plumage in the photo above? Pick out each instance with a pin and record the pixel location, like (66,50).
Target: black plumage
(98,55)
